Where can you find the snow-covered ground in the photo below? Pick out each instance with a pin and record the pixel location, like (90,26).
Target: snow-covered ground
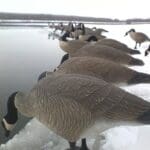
(35,136)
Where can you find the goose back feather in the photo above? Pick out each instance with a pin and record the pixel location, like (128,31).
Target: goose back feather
(106,52)
(118,45)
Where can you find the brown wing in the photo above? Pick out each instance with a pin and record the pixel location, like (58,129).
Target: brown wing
(103,100)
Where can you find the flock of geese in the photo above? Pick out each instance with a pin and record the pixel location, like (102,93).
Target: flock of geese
(83,92)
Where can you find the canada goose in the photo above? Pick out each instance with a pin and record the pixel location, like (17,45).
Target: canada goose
(118,45)
(72,45)
(96,33)
(93,31)
(81,33)
(147,51)
(62,27)
(101,68)
(78,30)
(73,105)
(69,27)
(106,52)
(138,37)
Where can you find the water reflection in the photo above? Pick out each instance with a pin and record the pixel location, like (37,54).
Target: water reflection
(24,54)
(53,35)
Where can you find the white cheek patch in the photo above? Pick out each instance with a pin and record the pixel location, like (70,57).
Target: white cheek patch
(8,126)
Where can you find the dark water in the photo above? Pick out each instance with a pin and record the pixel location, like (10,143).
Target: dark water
(24,54)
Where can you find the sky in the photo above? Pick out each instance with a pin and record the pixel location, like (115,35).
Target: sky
(120,9)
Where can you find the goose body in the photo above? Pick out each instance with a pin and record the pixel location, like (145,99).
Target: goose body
(118,45)
(72,104)
(102,68)
(70,45)
(138,37)
(106,52)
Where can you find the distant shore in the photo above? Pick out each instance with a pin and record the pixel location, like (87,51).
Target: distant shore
(41,20)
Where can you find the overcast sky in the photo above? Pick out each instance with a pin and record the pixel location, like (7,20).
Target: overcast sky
(121,9)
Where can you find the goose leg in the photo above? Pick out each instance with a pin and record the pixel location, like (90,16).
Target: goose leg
(84,145)
(73,146)
(135,45)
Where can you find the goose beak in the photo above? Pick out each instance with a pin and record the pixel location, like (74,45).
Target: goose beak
(7,132)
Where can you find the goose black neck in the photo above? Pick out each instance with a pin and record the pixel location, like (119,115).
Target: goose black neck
(64,58)
(64,36)
(92,38)
(83,29)
(12,113)
(42,75)
(71,26)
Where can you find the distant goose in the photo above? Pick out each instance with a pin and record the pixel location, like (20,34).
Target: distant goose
(100,68)
(78,30)
(92,31)
(62,27)
(72,45)
(138,37)
(82,33)
(106,52)
(118,45)
(76,106)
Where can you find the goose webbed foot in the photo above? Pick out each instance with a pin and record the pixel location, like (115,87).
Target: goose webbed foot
(73,146)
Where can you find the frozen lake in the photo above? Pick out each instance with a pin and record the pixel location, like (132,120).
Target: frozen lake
(25,53)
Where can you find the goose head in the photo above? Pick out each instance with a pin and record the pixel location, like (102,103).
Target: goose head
(64,36)
(131,30)
(17,102)
(10,119)
(71,27)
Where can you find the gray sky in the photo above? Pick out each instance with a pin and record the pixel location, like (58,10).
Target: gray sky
(121,9)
